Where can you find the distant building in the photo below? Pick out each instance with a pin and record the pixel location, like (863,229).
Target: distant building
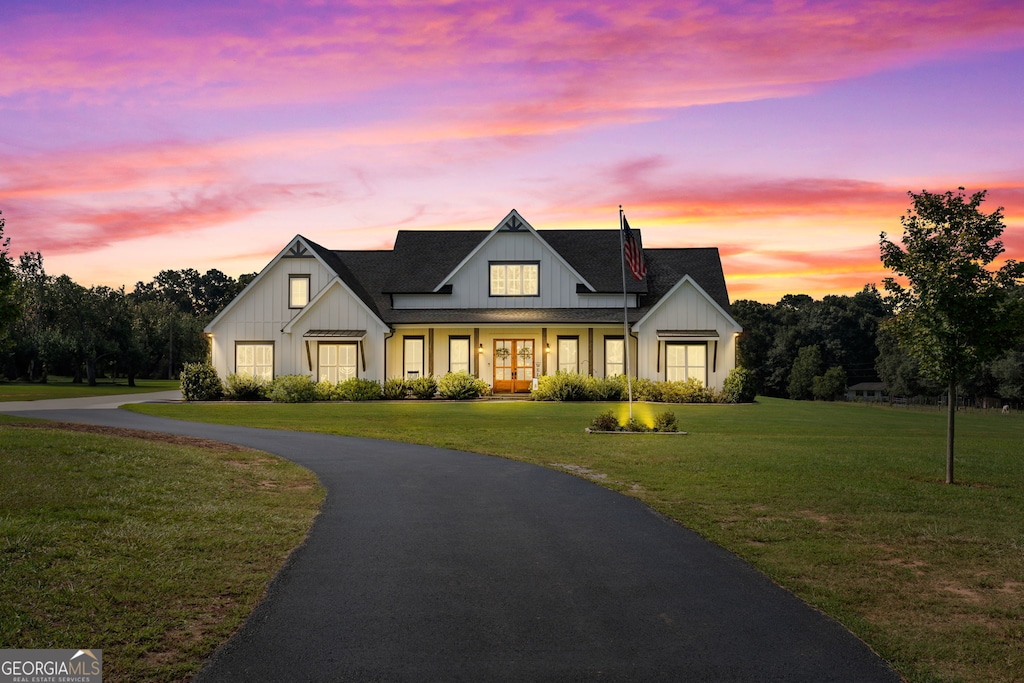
(867,391)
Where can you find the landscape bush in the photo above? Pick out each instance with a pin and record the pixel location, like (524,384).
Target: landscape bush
(325,391)
(245,388)
(740,386)
(635,424)
(461,385)
(358,389)
(605,422)
(563,386)
(199,382)
(687,391)
(423,387)
(666,422)
(292,389)
(395,388)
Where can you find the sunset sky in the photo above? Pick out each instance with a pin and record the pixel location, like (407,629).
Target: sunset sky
(142,136)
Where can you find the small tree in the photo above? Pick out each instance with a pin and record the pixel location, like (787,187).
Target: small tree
(805,368)
(954,312)
(831,386)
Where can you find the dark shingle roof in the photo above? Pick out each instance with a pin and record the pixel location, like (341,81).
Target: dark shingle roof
(421,259)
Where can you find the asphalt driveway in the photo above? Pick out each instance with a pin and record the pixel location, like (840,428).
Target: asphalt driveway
(436,565)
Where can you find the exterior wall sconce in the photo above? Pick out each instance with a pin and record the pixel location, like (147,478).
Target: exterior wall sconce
(481,349)
(547,348)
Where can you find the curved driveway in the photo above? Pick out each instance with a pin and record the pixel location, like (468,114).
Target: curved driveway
(436,565)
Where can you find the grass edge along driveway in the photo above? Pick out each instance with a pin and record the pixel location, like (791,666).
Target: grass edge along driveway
(843,504)
(154,551)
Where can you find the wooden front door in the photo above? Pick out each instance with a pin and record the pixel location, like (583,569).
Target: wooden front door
(513,364)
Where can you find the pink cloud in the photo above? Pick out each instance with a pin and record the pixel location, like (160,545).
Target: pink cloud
(562,59)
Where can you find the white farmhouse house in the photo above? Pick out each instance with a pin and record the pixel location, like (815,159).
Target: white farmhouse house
(506,305)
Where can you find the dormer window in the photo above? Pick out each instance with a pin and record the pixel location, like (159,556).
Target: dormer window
(298,291)
(515,279)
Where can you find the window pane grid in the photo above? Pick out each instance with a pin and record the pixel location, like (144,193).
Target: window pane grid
(337,362)
(255,360)
(686,361)
(514,279)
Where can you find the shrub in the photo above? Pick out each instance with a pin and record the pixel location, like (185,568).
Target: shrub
(607,388)
(605,422)
(395,388)
(292,389)
(562,386)
(634,424)
(358,389)
(245,388)
(324,391)
(643,389)
(740,386)
(686,391)
(461,385)
(666,422)
(423,387)
(199,382)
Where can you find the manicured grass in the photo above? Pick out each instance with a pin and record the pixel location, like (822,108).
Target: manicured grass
(841,503)
(63,387)
(151,551)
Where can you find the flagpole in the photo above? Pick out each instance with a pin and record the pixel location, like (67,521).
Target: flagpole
(625,313)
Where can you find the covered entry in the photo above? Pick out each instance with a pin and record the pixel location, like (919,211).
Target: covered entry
(513,365)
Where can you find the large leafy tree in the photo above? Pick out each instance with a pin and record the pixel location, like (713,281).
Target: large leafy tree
(9,308)
(953,309)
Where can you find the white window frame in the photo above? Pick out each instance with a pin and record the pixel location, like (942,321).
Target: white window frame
(688,367)
(298,297)
(514,279)
(258,365)
(333,370)
(608,365)
(568,346)
(413,359)
(460,366)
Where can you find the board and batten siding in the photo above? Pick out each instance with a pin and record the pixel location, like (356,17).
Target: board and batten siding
(261,313)
(687,309)
(471,284)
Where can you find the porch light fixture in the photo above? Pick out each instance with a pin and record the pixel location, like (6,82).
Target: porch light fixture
(481,349)
(547,348)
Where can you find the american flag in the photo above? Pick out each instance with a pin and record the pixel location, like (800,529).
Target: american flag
(634,254)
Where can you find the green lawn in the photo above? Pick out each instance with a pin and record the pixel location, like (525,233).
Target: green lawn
(63,387)
(841,503)
(153,552)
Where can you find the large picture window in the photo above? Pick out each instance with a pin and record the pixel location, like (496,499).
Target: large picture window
(614,356)
(568,354)
(412,357)
(298,291)
(337,362)
(255,359)
(515,279)
(686,361)
(458,354)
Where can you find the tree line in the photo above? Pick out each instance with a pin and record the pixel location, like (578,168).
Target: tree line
(51,325)
(842,341)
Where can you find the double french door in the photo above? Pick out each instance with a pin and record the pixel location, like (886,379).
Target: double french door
(513,365)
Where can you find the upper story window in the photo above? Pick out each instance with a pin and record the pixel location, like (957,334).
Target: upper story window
(298,291)
(515,279)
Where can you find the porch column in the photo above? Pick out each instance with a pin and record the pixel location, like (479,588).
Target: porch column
(543,350)
(476,352)
(590,351)
(430,351)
